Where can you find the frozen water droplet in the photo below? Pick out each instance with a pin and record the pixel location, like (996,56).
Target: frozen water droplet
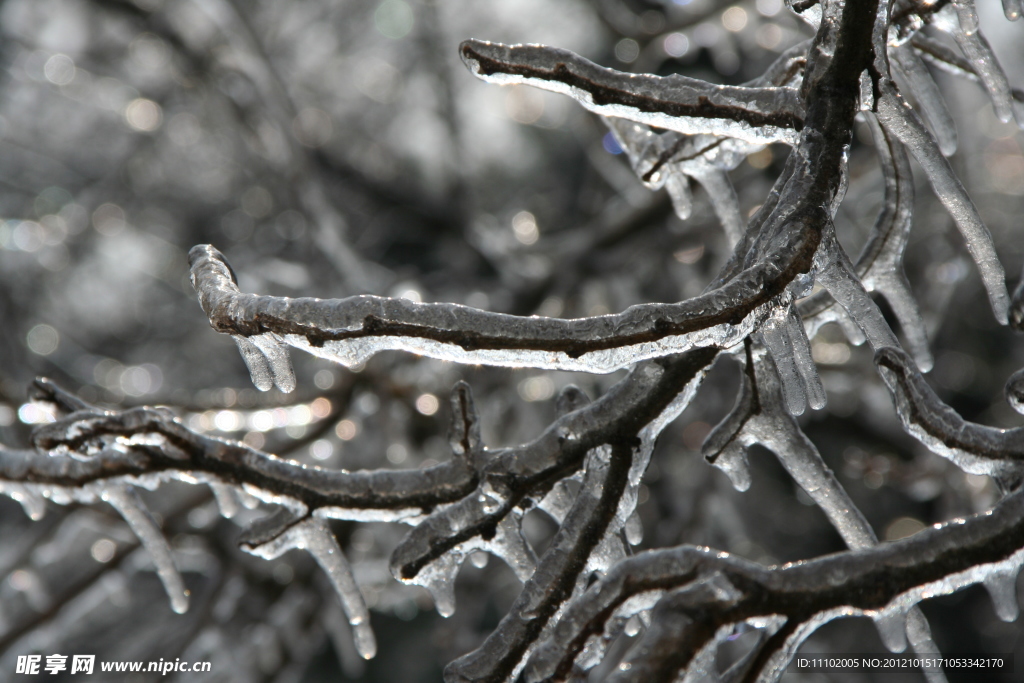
(633,626)
(33,503)
(227,501)
(479,559)
(1015,391)
(130,507)
(679,192)
(366,644)
(892,629)
(1002,588)
(732,460)
(438,578)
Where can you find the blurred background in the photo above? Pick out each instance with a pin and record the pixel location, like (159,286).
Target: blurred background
(335,148)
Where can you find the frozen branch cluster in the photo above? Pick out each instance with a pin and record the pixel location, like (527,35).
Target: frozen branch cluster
(787,276)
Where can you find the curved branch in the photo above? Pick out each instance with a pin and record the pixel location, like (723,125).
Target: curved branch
(685,105)
(873,581)
(353,329)
(974,448)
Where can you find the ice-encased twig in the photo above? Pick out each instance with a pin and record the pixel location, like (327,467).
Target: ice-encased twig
(758,418)
(972,447)
(942,57)
(503,653)
(883,578)
(657,159)
(351,330)
(148,444)
(685,105)
(904,124)
(835,273)
(314,536)
(960,21)
(929,99)
(880,263)
(589,531)
(635,407)
(126,501)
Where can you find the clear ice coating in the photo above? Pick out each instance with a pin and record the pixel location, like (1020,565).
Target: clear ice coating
(126,501)
(30,500)
(960,20)
(1002,588)
(755,114)
(227,500)
(929,99)
(904,125)
(315,536)
(892,629)
(268,361)
(1013,9)
(974,448)
(784,336)
(667,159)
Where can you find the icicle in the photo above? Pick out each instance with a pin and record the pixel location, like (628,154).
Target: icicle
(438,578)
(31,502)
(930,100)
(1013,9)
(127,503)
(314,536)
(816,397)
(277,358)
(908,129)
(1002,588)
(834,272)
(892,628)
(227,501)
(267,361)
(919,634)
(259,368)
(724,201)
(896,290)
(961,21)
(336,624)
(634,529)
(678,187)
(780,346)
(732,460)
(509,545)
